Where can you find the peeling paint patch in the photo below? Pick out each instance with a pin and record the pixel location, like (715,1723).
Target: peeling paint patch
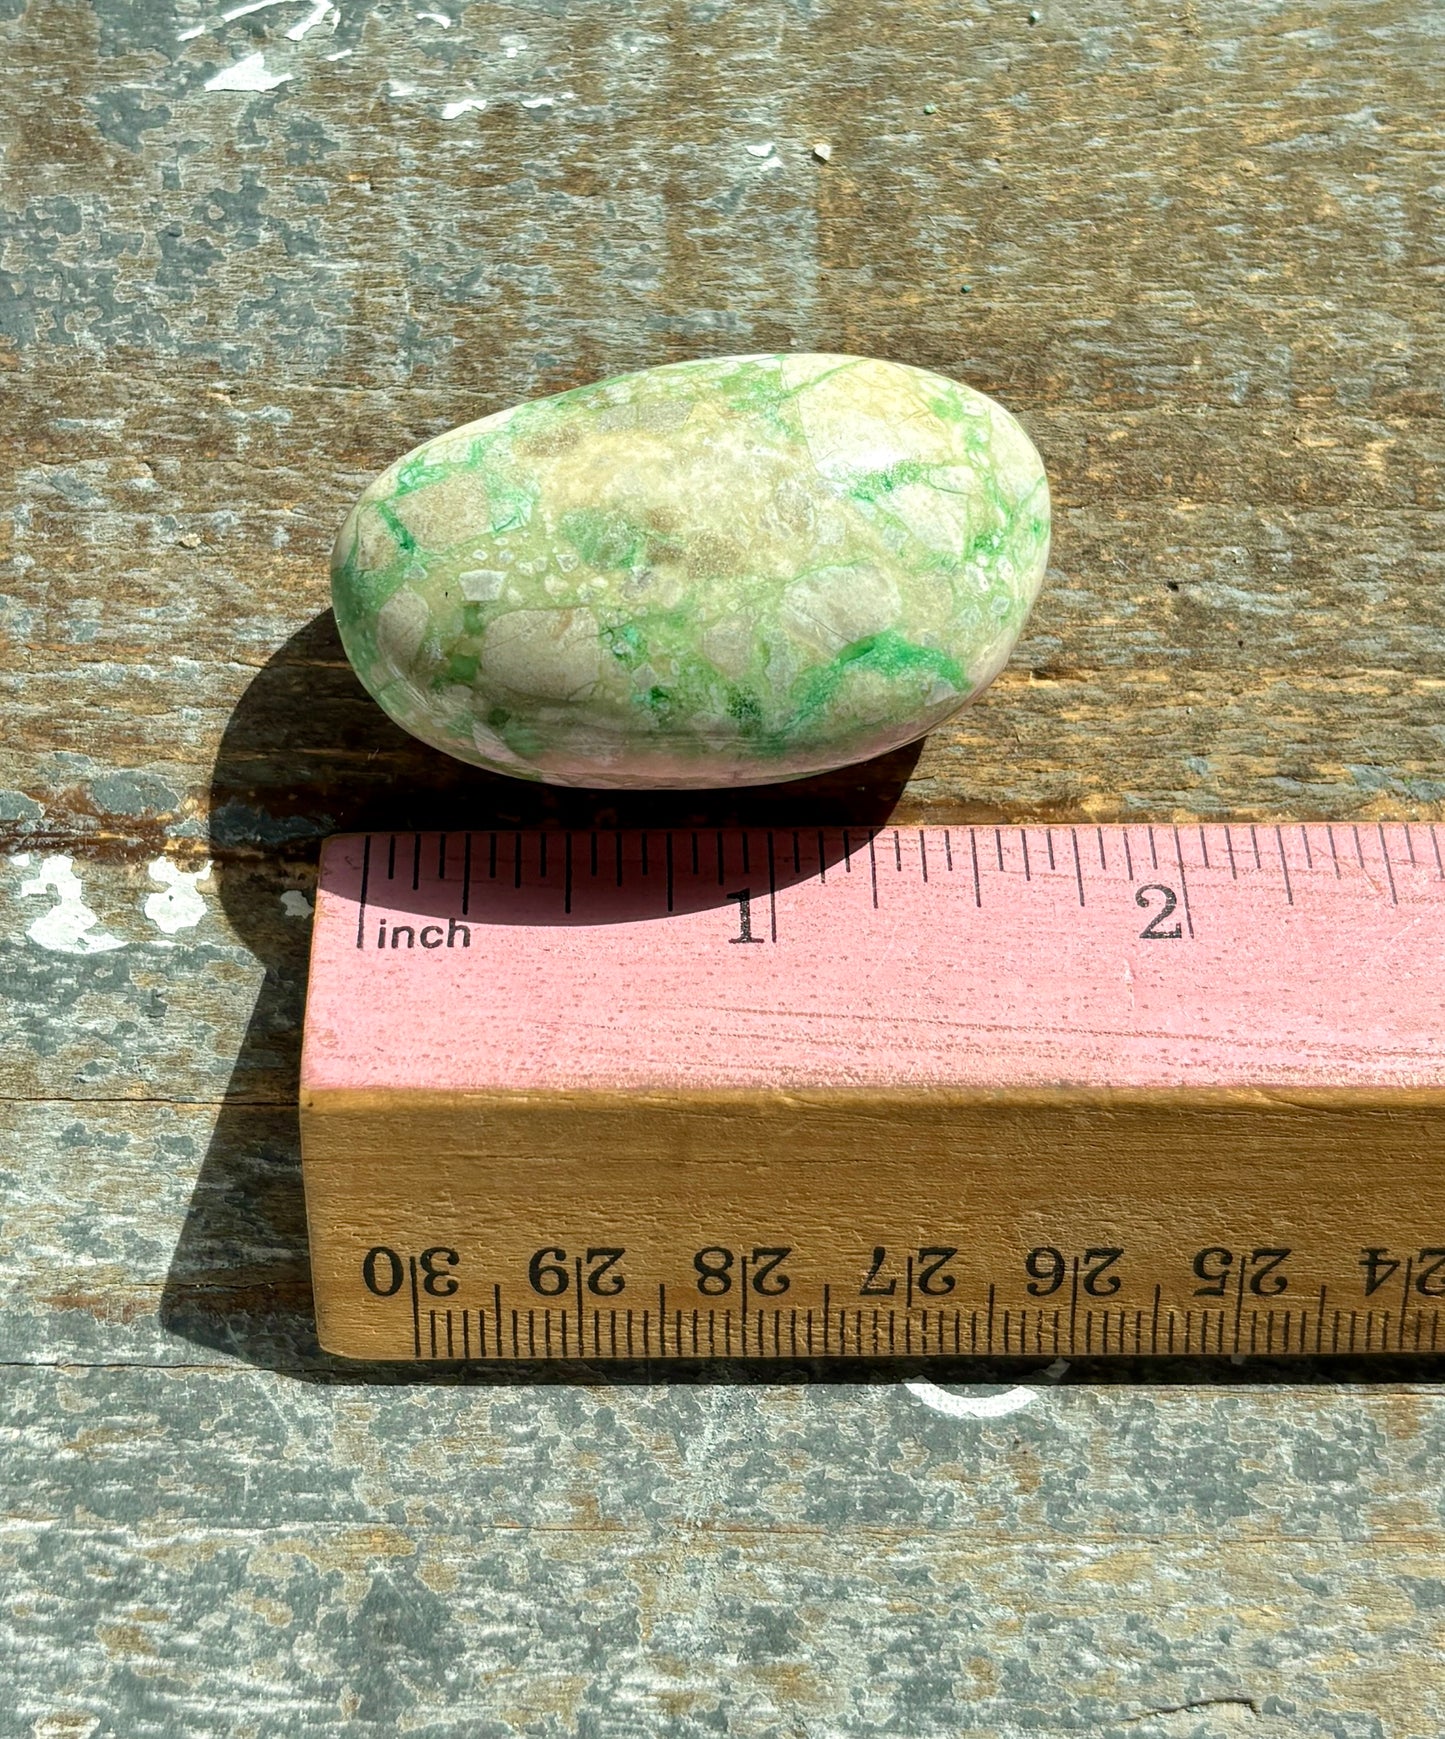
(16,806)
(295,904)
(312,19)
(436,18)
(180,906)
(970,1406)
(249,7)
(247,75)
(451,111)
(539,102)
(134,793)
(235,13)
(69,927)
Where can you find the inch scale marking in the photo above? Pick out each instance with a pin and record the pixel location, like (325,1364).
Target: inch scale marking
(878,1092)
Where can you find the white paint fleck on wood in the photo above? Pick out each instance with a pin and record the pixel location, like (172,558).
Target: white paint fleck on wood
(249,74)
(69,926)
(180,905)
(303,26)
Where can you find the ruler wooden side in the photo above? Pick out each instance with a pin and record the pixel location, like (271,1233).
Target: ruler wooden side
(1073,1223)
(912,1116)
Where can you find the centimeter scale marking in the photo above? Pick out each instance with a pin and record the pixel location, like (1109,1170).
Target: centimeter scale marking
(529,1332)
(803,1093)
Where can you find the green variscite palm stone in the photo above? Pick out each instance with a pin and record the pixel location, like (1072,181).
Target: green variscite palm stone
(710,573)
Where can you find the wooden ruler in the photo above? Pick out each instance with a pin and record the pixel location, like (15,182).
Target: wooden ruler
(986,1090)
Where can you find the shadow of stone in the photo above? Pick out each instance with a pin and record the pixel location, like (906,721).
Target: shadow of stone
(307,753)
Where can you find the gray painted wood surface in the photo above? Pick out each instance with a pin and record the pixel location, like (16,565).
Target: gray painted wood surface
(1202,248)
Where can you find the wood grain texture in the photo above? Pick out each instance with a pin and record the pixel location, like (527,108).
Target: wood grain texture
(1202,254)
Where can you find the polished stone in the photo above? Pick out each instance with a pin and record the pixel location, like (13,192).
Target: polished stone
(711,573)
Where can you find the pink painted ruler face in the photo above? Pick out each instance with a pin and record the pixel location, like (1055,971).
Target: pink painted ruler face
(1291,956)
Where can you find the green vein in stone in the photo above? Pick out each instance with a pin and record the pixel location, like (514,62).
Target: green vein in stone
(405,541)
(890,656)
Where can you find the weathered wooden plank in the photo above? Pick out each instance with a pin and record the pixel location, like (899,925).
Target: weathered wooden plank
(683,1632)
(1191,1464)
(1264,160)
